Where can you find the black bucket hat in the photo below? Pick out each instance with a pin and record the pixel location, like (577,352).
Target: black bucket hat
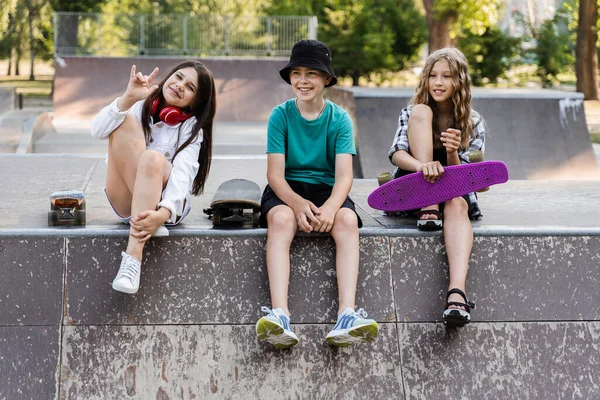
(310,54)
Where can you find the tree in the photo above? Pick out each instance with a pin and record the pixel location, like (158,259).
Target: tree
(489,54)
(372,35)
(586,55)
(11,24)
(34,8)
(554,50)
(364,36)
(445,19)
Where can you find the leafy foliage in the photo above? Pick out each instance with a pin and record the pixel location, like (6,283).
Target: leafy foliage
(489,54)
(554,50)
(364,36)
(474,16)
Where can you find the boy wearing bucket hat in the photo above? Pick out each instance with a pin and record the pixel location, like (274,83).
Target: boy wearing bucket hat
(310,145)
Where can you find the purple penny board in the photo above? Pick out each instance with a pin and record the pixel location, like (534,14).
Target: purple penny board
(412,191)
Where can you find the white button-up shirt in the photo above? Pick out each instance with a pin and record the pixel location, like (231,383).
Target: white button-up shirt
(164,140)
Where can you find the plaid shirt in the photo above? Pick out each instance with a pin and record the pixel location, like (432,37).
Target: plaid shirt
(476,143)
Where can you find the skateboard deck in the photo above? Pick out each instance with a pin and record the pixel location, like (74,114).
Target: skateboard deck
(412,191)
(67,207)
(236,202)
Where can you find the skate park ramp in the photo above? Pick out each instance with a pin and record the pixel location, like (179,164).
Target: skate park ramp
(7,99)
(247,88)
(539,134)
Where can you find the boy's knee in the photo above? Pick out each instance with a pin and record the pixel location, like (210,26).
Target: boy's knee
(281,218)
(422,112)
(151,162)
(345,220)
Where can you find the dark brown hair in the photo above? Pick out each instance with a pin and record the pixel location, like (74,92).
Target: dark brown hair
(203,107)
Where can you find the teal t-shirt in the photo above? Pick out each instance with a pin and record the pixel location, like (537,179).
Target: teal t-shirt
(310,147)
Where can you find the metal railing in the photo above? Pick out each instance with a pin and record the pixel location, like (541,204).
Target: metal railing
(96,34)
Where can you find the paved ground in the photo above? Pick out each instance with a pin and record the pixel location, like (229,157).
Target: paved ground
(537,207)
(239,151)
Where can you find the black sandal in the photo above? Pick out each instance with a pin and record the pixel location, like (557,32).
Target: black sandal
(455,316)
(430,224)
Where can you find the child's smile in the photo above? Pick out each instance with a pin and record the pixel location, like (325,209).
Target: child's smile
(181,87)
(441,84)
(307,83)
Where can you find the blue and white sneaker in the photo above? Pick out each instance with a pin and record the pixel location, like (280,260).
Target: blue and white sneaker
(352,327)
(275,329)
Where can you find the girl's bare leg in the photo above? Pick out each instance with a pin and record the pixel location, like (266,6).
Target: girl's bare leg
(458,237)
(135,176)
(125,146)
(420,139)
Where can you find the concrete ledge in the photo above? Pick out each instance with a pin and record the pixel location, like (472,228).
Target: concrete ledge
(212,361)
(30,361)
(189,332)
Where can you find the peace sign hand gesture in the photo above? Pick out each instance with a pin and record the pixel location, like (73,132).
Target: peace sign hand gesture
(138,88)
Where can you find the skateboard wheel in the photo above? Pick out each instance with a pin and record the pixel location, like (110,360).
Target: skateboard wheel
(476,156)
(216,217)
(53,217)
(384,177)
(79,217)
(255,219)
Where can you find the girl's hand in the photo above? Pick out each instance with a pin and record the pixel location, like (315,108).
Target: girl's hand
(451,140)
(147,222)
(306,215)
(139,86)
(431,171)
(326,219)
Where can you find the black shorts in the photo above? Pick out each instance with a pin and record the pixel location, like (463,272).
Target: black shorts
(318,194)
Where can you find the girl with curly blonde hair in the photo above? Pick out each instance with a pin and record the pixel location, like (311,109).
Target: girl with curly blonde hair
(439,129)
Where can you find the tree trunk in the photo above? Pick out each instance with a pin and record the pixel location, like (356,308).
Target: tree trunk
(586,56)
(17,62)
(31,44)
(439,27)
(9,68)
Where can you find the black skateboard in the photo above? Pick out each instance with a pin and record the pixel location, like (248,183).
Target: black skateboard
(236,203)
(67,207)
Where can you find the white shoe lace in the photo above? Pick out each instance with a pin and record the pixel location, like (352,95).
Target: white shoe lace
(130,268)
(362,313)
(270,311)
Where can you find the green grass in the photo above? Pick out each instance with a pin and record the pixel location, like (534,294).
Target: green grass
(38,88)
(595,136)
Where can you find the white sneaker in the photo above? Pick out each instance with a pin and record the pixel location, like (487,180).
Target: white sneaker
(128,277)
(162,231)
(352,327)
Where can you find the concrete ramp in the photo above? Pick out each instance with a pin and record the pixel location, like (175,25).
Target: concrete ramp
(532,131)
(247,87)
(7,99)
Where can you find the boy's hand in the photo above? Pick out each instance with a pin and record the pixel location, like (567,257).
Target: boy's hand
(431,171)
(326,219)
(306,215)
(147,222)
(451,140)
